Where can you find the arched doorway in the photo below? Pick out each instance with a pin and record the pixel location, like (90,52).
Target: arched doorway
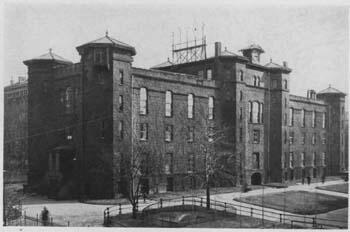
(256,179)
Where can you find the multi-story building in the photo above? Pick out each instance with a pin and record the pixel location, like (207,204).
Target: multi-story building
(15,131)
(86,119)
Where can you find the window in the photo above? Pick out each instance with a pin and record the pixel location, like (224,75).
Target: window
(240,113)
(285,103)
(285,137)
(258,81)
(323,120)
(121,77)
(324,140)
(200,73)
(168,133)
(255,79)
(69,100)
(303,138)
(143,131)
(240,134)
(291,137)
(209,74)
(68,133)
(103,129)
(255,112)
(190,135)
(302,115)
(190,106)
(313,138)
(291,159)
(145,165)
(274,83)
(314,159)
(285,84)
(168,104)
(302,159)
(256,136)
(285,119)
(291,116)
(240,95)
(256,160)
(168,167)
(121,129)
(191,163)
(250,110)
(241,75)
(121,102)
(323,159)
(211,108)
(143,101)
(261,112)
(313,118)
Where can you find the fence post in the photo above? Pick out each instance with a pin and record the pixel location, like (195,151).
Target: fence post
(68,223)
(183,200)
(51,221)
(225,207)
(313,222)
(107,220)
(161,203)
(251,212)
(291,224)
(201,201)
(37,219)
(280,217)
(120,208)
(25,220)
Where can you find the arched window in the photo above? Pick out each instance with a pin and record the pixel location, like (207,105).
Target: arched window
(190,106)
(168,103)
(240,95)
(241,77)
(211,108)
(258,81)
(323,120)
(255,112)
(254,80)
(69,99)
(143,101)
(285,84)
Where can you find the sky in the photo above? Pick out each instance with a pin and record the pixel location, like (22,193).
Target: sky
(314,40)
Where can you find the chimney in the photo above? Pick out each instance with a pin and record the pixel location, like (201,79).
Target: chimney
(285,64)
(217,49)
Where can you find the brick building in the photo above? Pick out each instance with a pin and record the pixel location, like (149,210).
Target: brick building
(86,119)
(15,131)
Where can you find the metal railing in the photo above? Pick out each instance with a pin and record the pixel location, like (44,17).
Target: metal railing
(282,217)
(25,220)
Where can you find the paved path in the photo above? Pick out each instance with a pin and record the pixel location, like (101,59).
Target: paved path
(80,214)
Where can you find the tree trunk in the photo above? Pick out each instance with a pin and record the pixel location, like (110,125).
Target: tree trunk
(208,196)
(134,210)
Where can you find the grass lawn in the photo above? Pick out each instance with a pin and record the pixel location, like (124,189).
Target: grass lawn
(126,220)
(299,202)
(341,188)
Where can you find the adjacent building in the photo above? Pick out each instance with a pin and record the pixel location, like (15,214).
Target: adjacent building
(16,131)
(85,120)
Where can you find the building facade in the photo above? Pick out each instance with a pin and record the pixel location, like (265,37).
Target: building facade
(86,119)
(16,131)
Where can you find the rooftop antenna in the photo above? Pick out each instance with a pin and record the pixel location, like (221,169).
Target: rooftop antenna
(107,33)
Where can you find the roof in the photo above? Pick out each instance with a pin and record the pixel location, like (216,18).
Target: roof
(272,65)
(49,56)
(164,64)
(227,53)
(253,46)
(331,90)
(107,40)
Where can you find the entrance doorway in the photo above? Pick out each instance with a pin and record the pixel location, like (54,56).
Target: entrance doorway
(256,179)
(169,184)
